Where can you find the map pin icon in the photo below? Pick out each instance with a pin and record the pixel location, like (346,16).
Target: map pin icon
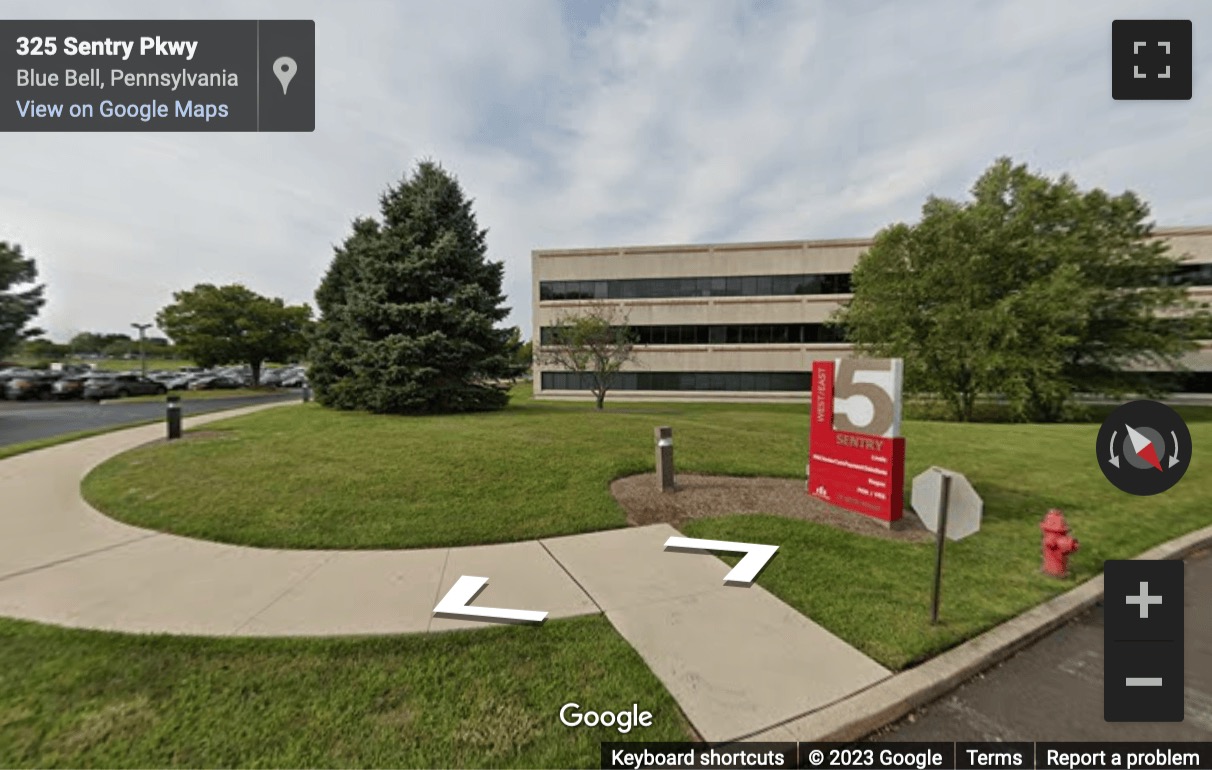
(285,69)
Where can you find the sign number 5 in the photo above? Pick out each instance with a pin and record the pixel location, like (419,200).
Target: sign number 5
(876,381)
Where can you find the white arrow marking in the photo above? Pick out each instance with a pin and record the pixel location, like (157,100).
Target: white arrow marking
(1139,440)
(1174,455)
(456,600)
(1114,457)
(746,569)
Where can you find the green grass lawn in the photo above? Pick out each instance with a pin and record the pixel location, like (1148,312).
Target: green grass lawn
(309,477)
(72,698)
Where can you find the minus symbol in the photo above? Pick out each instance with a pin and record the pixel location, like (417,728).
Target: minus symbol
(1143,681)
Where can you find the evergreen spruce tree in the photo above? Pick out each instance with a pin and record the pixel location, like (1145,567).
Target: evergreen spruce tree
(410,307)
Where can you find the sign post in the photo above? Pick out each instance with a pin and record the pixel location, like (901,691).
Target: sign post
(856,457)
(944,502)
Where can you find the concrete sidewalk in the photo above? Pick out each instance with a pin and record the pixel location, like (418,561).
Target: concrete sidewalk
(738,660)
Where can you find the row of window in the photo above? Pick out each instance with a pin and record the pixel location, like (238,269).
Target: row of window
(792,382)
(732,286)
(738,381)
(1192,275)
(756,285)
(722,334)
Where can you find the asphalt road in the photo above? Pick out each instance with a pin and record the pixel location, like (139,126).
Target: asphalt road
(1053,690)
(22,421)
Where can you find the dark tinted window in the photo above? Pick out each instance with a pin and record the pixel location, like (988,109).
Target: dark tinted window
(749,286)
(686,381)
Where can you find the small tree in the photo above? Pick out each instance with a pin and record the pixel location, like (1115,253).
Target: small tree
(522,352)
(20,301)
(596,341)
(216,325)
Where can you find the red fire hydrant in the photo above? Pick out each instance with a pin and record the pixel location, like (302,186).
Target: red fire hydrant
(1057,544)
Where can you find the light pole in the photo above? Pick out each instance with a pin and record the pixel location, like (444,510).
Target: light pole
(142,351)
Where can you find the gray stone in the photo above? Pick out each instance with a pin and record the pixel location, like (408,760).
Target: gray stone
(963,511)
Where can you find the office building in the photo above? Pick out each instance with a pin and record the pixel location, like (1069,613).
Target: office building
(741,321)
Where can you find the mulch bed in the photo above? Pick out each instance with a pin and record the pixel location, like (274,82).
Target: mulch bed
(699,497)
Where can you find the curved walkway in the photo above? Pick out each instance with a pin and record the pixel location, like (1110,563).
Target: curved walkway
(738,660)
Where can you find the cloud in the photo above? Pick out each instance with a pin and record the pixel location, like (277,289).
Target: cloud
(594,124)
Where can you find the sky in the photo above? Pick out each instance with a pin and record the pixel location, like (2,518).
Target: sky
(583,124)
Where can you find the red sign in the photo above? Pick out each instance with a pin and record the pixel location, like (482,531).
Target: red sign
(857,471)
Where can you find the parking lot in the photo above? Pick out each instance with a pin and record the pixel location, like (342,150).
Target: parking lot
(22,421)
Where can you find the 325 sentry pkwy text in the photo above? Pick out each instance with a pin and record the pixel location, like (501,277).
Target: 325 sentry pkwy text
(72,46)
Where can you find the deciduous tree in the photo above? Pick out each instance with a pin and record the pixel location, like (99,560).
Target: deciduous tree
(1033,290)
(214,325)
(596,341)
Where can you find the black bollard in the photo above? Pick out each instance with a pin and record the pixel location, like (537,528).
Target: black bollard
(173,417)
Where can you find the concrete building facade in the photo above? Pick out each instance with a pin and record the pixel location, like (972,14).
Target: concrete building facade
(740,321)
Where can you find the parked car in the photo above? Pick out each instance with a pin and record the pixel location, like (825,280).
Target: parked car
(216,382)
(273,377)
(294,378)
(10,372)
(121,386)
(69,387)
(36,385)
(181,382)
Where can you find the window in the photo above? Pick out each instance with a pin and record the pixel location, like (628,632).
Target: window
(808,284)
(717,335)
(754,285)
(685,381)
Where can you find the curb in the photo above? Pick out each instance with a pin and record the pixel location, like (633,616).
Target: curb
(866,711)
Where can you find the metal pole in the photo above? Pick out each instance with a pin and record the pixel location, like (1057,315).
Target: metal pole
(142,349)
(173,417)
(944,502)
(664,458)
